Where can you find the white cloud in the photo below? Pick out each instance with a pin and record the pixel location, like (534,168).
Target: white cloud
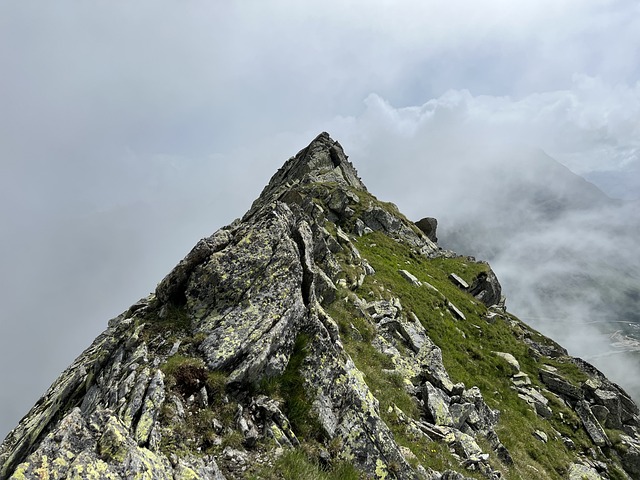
(589,127)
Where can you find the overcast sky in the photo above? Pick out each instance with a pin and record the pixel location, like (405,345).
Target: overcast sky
(129,130)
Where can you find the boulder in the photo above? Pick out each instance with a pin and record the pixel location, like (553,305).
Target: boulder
(460,412)
(412,333)
(486,288)
(536,400)
(381,309)
(483,418)
(510,359)
(429,359)
(429,226)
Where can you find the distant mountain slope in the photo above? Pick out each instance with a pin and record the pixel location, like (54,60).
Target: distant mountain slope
(566,254)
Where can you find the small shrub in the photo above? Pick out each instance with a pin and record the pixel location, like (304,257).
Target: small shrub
(189,374)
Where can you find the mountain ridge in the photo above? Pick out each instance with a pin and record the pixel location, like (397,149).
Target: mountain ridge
(324,331)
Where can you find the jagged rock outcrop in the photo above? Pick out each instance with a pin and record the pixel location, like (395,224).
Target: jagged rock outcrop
(324,329)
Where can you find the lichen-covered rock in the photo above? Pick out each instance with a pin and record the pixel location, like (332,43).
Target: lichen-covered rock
(248,298)
(437,405)
(591,425)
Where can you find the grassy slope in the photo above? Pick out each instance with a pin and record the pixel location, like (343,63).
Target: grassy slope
(466,347)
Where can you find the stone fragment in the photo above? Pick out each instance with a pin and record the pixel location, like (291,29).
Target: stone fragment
(463,444)
(456,311)
(521,379)
(458,281)
(380,309)
(368,269)
(410,277)
(534,398)
(546,349)
(412,332)
(540,435)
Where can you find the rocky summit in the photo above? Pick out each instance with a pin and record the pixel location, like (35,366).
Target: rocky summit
(325,336)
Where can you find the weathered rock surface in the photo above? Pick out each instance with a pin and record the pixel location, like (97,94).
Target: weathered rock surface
(286,331)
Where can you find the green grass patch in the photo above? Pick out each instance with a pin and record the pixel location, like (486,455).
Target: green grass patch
(298,465)
(289,389)
(170,321)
